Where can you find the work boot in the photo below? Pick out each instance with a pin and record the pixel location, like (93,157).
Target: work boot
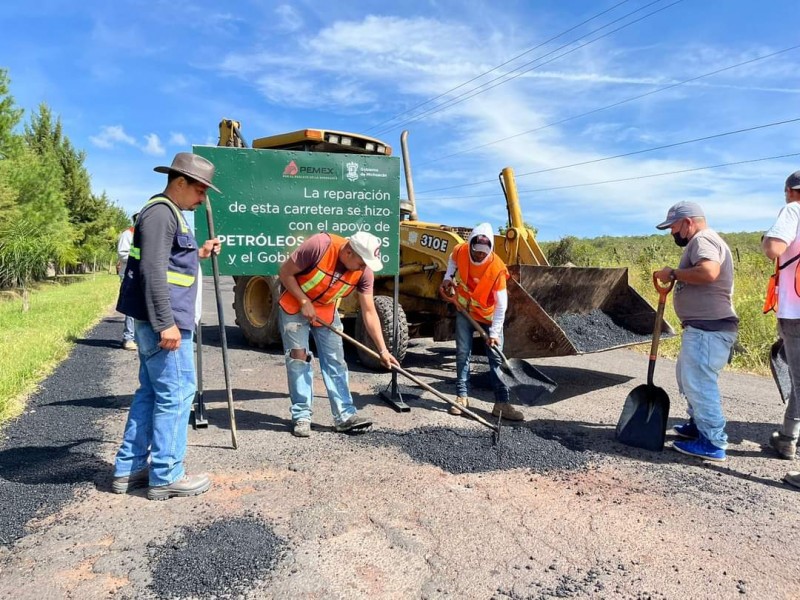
(302,429)
(354,423)
(129,345)
(508,411)
(140,479)
(792,478)
(461,401)
(785,446)
(187,485)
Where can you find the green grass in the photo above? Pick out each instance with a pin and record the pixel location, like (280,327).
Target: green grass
(33,343)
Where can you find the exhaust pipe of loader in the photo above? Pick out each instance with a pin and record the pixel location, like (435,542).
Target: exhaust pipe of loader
(409,180)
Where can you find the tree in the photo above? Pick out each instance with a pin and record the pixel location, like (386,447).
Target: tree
(25,253)
(10,117)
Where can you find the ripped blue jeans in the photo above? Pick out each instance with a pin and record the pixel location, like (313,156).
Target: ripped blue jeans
(295,330)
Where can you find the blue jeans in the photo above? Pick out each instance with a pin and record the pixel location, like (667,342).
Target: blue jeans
(127,331)
(159,414)
(464,332)
(294,332)
(703,355)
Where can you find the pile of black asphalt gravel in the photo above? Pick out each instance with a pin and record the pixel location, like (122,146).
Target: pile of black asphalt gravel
(477,451)
(596,330)
(221,560)
(52,450)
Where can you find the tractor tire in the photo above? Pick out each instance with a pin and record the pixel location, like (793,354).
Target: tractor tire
(255,302)
(384,305)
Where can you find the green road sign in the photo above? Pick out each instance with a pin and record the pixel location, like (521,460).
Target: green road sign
(273,200)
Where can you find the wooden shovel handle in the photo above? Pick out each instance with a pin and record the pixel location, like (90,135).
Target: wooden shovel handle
(663,290)
(413,378)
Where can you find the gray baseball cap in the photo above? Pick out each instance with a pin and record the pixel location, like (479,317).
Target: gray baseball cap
(793,181)
(193,166)
(681,210)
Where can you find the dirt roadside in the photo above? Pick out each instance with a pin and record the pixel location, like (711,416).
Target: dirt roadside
(408,510)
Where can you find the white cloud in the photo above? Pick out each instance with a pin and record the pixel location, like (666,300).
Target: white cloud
(153,145)
(110,136)
(289,19)
(177,139)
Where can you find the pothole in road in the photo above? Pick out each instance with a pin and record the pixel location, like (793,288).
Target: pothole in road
(470,451)
(221,560)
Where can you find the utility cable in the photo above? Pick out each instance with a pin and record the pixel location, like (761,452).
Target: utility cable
(596,110)
(730,164)
(634,152)
(511,76)
(510,60)
(678,172)
(700,139)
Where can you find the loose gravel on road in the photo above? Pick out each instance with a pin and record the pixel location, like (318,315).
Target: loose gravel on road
(51,450)
(223,559)
(476,451)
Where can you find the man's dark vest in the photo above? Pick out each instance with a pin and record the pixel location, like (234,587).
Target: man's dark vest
(181,273)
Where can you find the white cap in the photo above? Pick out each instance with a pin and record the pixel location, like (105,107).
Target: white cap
(368,247)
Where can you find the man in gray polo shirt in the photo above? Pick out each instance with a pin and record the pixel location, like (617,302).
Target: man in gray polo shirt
(703,302)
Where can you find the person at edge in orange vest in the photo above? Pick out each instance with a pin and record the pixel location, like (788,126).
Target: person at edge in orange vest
(480,288)
(324,269)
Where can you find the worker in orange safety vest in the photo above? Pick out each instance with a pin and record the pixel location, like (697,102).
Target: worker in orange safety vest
(323,270)
(477,277)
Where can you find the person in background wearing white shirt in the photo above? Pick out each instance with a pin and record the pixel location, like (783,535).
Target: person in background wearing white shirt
(782,243)
(123,250)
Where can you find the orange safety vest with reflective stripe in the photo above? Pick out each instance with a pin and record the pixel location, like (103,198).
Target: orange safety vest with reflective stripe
(323,285)
(481,300)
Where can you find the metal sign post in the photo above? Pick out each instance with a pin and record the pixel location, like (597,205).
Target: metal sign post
(392,394)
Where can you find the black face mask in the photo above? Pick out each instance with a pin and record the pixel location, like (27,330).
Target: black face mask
(679,239)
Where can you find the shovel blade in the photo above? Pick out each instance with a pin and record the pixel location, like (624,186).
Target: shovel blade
(780,370)
(643,422)
(525,381)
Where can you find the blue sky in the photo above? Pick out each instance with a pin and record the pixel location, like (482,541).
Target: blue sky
(136,81)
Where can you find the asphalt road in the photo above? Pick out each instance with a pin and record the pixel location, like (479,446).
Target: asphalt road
(425,505)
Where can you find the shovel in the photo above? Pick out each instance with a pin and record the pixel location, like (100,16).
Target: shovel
(222,336)
(643,422)
(780,370)
(413,378)
(526,381)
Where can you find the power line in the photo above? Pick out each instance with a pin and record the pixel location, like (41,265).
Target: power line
(678,172)
(700,139)
(596,110)
(605,158)
(528,51)
(730,164)
(463,97)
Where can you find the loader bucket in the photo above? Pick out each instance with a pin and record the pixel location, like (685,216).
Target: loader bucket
(564,311)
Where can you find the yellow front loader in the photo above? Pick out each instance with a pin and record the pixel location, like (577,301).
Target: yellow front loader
(553,311)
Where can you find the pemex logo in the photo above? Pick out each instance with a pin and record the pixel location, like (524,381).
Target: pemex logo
(291,169)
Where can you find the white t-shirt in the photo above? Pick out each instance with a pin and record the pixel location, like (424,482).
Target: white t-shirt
(787,229)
